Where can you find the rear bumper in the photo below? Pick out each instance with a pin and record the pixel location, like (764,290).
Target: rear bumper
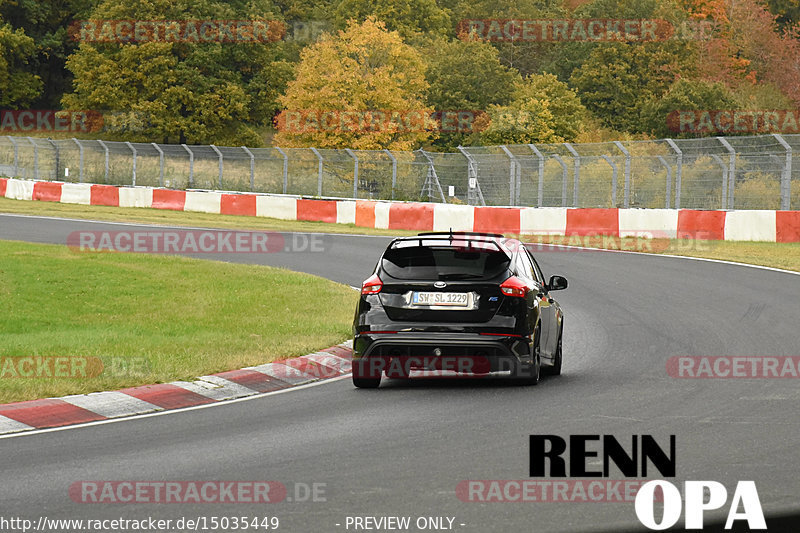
(469,353)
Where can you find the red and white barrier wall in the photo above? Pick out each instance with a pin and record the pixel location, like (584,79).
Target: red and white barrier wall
(747,225)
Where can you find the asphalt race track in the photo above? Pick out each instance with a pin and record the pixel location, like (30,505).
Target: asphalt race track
(401,450)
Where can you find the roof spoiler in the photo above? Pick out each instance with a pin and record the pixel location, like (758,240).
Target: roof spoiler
(452,233)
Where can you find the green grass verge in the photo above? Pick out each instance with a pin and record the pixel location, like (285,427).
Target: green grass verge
(182,218)
(776,255)
(153,319)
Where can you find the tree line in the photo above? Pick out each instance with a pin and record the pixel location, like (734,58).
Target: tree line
(399,74)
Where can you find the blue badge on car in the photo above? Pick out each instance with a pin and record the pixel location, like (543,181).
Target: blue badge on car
(493,298)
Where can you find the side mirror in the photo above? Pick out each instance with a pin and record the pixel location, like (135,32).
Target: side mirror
(557,283)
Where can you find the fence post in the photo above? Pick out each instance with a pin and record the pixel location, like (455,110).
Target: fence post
(285,169)
(563,179)
(432,176)
(576,158)
(57,158)
(613,179)
(669,178)
(319,171)
(252,168)
(191,165)
(16,156)
(160,164)
(394,170)
(627,196)
(540,189)
(786,175)
(220,165)
(473,193)
(105,148)
(678,172)
(731,171)
(721,164)
(355,171)
(133,181)
(35,158)
(80,150)
(512,165)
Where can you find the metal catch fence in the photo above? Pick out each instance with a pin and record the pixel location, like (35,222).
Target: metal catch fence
(752,172)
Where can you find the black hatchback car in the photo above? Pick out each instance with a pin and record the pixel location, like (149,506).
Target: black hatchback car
(457,304)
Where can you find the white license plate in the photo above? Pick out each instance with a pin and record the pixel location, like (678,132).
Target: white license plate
(462,300)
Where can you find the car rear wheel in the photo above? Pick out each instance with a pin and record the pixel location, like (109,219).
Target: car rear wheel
(529,374)
(555,370)
(366,383)
(367,373)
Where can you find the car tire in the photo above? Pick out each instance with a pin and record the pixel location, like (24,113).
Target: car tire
(366,383)
(366,373)
(555,369)
(529,374)
(532,373)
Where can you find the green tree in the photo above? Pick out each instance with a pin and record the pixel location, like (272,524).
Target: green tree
(617,78)
(523,54)
(568,111)
(543,110)
(763,95)
(528,120)
(18,87)
(46,23)
(563,58)
(305,10)
(196,92)
(306,21)
(363,73)
(466,76)
(407,17)
(659,113)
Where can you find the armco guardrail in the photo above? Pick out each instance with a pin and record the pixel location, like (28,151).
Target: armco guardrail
(573,223)
(753,172)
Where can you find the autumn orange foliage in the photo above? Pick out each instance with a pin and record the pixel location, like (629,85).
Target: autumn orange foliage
(746,45)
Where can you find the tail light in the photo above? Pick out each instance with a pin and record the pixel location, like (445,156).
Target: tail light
(373,285)
(514,286)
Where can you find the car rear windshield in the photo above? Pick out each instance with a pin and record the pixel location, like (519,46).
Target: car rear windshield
(444,262)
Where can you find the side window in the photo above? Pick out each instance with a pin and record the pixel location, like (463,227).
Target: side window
(518,269)
(539,273)
(525,266)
